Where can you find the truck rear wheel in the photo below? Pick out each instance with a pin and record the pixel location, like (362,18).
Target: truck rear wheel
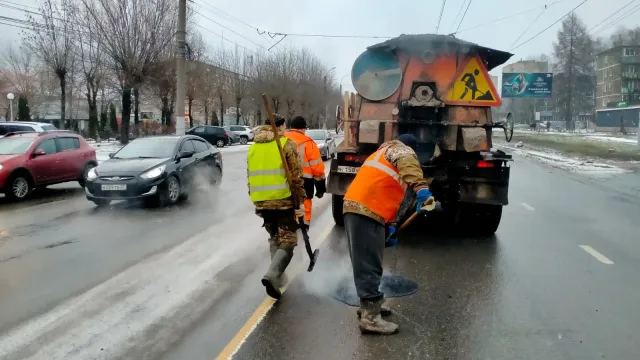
(336,209)
(481,219)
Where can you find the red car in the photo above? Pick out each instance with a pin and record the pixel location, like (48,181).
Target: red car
(29,160)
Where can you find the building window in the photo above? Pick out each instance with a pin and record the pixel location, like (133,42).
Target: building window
(630,52)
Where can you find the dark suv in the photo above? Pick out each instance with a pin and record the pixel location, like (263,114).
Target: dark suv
(34,159)
(213,134)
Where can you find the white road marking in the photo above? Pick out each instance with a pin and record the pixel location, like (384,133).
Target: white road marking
(528,207)
(593,252)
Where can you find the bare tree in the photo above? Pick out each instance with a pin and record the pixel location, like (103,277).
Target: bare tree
(136,35)
(19,73)
(221,79)
(196,50)
(52,40)
(239,79)
(91,63)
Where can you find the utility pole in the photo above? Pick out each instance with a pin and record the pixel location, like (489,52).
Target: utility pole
(570,124)
(180,82)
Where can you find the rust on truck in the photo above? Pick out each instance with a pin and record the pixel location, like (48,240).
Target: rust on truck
(437,88)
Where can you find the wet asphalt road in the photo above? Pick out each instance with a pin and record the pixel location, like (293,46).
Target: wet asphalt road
(183,282)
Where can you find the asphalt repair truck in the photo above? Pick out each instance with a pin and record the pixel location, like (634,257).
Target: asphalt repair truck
(437,88)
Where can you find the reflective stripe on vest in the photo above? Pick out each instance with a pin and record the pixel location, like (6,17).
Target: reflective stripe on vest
(378,186)
(267,179)
(301,140)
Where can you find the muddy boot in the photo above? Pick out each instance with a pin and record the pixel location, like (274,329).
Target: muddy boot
(384,311)
(371,321)
(271,279)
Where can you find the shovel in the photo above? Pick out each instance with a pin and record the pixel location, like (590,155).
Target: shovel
(429,205)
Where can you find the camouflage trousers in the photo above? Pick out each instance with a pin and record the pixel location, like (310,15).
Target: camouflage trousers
(281,226)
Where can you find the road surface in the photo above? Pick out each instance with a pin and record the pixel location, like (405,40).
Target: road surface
(558,281)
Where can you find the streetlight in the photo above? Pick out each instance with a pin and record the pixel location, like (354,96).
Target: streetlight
(10,96)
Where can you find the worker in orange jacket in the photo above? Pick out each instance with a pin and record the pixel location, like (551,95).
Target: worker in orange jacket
(370,203)
(312,165)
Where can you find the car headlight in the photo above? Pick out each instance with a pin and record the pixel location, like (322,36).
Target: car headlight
(92,174)
(154,173)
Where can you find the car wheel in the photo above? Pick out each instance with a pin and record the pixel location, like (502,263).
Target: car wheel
(18,187)
(101,202)
(172,191)
(87,168)
(220,143)
(244,140)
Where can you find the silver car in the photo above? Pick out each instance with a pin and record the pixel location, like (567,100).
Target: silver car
(245,133)
(325,142)
(233,138)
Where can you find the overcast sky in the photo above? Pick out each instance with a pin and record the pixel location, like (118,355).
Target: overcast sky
(389,18)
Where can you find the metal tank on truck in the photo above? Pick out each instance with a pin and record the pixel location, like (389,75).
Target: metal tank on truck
(437,88)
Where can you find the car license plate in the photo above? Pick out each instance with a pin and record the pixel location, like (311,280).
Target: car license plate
(348,169)
(114,187)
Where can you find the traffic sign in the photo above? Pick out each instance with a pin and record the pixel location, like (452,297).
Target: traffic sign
(473,86)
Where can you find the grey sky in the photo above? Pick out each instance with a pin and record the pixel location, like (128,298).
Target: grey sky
(361,17)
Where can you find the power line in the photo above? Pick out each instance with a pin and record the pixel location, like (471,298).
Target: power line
(224,27)
(225,39)
(529,27)
(509,17)
(458,15)
(548,27)
(336,36)
(610,16)
(228,17)
(464,15)
(624,16)
(444,3)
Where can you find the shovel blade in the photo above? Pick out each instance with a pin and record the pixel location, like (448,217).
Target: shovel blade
(312,261)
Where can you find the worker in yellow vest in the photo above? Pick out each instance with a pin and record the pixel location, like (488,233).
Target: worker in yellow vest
(273,198)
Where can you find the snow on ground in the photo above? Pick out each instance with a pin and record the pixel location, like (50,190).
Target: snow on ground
(626,139)
(565,162)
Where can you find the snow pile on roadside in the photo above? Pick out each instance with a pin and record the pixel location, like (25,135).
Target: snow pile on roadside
(559,160)
(626,140)
(104,148)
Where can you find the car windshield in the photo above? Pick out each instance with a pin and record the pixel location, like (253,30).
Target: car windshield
(148,148)
(316,134)
(14,146)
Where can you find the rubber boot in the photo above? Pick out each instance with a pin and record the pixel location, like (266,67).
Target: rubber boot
(371,321)
(272,249)
(384,311)
(271,279)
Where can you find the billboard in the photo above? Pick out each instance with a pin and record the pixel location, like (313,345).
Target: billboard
(527,85)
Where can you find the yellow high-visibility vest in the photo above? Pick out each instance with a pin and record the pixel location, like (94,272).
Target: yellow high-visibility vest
(267,179)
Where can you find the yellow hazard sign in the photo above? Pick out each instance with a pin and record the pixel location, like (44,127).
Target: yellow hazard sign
(473,86)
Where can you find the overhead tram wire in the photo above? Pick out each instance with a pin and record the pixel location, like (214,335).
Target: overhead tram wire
(548,27)
(457,15)
(612,15)
(225,39)
(508,17)
(464,15)
(444,3)
(529,27)
(228,17)
(224,27)
(617,20)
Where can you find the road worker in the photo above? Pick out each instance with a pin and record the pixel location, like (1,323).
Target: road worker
(371,202)
(312,165)
(274,198)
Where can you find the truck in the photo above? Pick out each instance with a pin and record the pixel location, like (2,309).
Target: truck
(437,88)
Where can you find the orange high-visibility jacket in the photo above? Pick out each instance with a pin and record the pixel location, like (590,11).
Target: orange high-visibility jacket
(378,186)
(310,157)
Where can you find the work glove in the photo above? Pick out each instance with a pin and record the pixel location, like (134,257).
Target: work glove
(300,211)
(392,238)
(321,188)
(422,195)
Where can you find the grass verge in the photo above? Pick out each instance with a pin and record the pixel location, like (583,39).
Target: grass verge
(581,146)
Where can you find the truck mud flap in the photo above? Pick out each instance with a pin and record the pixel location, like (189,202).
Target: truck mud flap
(483,190)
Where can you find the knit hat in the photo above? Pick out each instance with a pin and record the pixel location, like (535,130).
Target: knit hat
(279,120)
(409,140)
(298,122)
